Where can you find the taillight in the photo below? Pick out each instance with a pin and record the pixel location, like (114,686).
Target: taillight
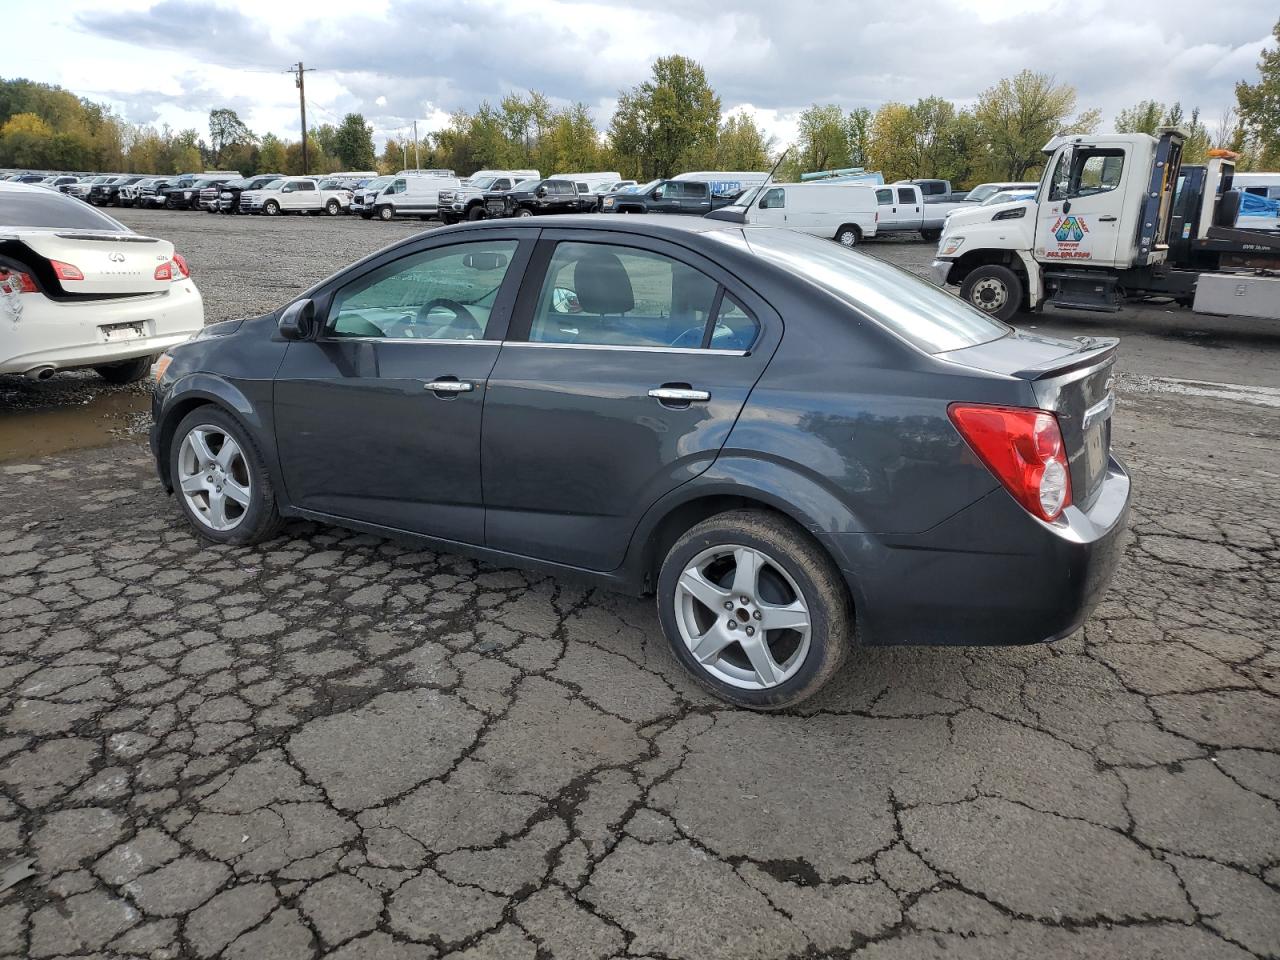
(164,271)
(66,271)
(1023,447)
(180,262)
(13,281)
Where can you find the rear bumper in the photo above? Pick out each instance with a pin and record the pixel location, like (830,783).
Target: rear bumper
(67,335)
(991,574)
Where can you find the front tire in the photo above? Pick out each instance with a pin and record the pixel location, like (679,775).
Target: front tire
(524,212)
(475,213)
(271,208)
(994,289)
(385,213)
(126,371)
(221,480)
(333,207)
(754,609)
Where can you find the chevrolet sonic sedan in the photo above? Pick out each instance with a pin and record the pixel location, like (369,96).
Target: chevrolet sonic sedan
(796,447)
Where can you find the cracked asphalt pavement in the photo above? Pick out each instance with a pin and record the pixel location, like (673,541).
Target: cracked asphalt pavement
(335,745)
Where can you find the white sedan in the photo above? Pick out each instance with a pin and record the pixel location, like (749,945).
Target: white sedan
(79,289)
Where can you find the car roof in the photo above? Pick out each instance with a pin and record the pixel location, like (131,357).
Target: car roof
(649,227)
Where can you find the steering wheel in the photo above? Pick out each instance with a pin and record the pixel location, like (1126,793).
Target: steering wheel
(463,326)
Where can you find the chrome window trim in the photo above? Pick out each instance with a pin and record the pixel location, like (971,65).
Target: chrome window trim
(617,346)
(332,339)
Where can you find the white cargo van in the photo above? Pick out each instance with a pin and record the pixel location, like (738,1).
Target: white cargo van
(843,212)
(411,196)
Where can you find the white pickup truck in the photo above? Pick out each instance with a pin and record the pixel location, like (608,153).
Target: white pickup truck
(295,195)
(903,208)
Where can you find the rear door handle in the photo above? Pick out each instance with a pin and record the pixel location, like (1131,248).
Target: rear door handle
(1107,219)
(449,386)
(679,394)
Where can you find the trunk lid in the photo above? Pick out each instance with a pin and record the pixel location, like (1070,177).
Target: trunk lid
(113,263)
(1073,378)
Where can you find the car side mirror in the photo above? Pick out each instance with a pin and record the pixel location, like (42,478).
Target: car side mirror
(298,321)
(542,191)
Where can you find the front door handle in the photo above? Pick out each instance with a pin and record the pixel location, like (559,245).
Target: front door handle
(678,394)
(449,386)
(1107,219)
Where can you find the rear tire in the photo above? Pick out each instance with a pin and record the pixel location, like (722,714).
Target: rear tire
(793,578)
(849,235)
(931,236)
(126,371)
(994,289)
(259,520)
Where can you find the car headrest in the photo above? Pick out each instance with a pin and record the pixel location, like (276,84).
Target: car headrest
(602,284)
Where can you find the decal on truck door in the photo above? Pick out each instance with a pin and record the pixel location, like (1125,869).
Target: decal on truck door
(1070,240)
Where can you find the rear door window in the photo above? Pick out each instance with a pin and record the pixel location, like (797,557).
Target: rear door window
(597,294)
(906,195)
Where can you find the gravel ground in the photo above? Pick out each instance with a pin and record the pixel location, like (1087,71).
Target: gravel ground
(336,746)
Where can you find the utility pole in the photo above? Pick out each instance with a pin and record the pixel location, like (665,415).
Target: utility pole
(404,151)
(417,160)
(298,70)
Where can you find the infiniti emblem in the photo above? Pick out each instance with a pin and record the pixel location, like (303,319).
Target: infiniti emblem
(116,257)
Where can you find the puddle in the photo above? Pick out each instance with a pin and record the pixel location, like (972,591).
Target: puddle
(104,417)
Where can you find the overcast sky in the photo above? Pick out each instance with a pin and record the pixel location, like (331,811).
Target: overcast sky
(393,60)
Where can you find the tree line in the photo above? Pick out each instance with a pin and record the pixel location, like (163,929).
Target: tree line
(671,122)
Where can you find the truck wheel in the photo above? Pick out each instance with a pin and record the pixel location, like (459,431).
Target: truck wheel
(993,289)
(385,213)
(524,212)
(332,208)
(476,213)
(849,235)
(271,208)
(931,236)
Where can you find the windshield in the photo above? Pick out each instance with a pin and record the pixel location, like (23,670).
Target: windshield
(914,309)
(982,191)
(527,185)
(745,199)
(45,208)
(484,183)
(273,185)
(1006,195)
(377,183)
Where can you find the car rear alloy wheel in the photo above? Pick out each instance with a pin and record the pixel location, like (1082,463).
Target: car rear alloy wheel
(743,619)
(220,479)
(755,609)
(848,236)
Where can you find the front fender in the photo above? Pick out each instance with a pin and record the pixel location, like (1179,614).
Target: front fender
(189,391)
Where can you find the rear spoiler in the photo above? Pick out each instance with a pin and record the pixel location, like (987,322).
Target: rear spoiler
(1093,352)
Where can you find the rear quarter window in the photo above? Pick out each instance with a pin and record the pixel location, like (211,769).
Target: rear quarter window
(914,309)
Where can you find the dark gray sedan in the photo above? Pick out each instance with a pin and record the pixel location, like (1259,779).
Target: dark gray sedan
(795,446)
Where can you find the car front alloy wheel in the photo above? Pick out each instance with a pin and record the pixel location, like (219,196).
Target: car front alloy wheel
(220,479)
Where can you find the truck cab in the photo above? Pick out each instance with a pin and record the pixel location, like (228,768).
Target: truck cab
(1098,227)
(904,208)
(664,196)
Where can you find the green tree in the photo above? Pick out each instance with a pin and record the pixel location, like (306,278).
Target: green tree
(271,155)
(742,145)
(1258,106)
(822,142)
(668,123)
(227,130)
(1144,117)
(353,143)
(1017,116)
(858,136)
(570,142)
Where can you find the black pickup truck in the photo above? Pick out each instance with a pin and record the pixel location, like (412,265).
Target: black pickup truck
(665,196)
(107,193)
(536,198)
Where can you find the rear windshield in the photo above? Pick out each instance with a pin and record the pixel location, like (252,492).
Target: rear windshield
(914,309)
(48,209)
